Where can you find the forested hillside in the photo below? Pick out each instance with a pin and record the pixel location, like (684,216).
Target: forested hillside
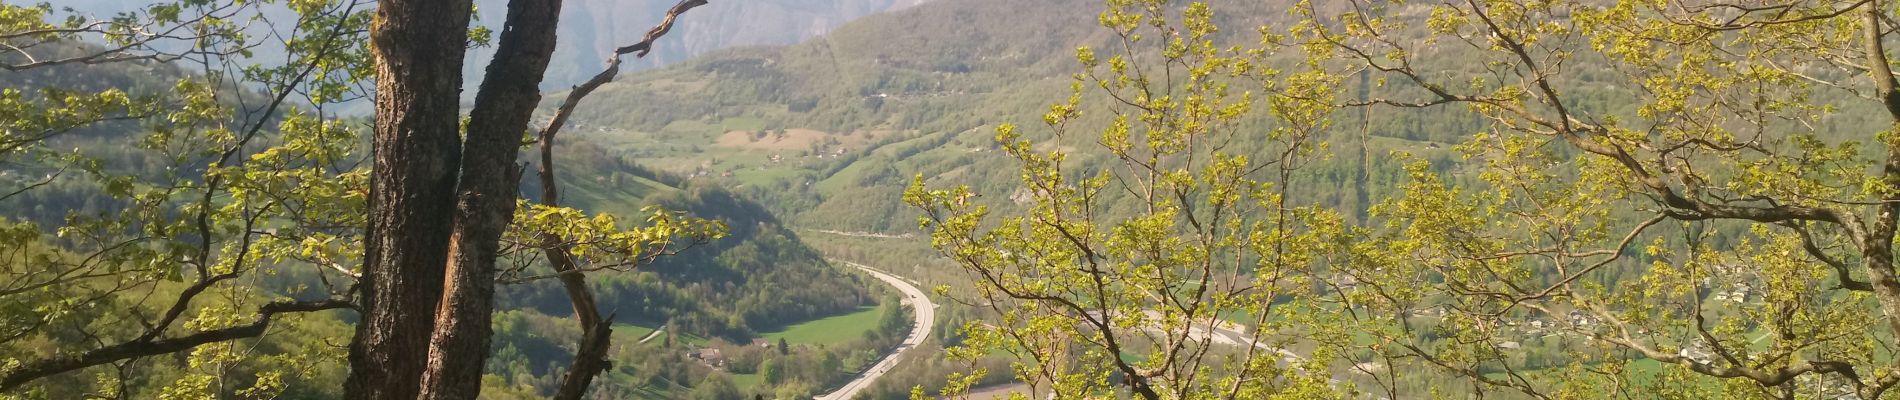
(757,281)
(758,278)
(827,129)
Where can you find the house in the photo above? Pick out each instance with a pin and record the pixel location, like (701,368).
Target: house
(1580,319)
(710,356)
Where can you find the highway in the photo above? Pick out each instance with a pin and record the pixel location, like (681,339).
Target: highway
(926,316)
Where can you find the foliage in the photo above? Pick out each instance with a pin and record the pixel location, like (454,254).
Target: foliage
(1732,222)
(181,199)
(1587,199)
(1116,273)
(212,206)
(717,387)
(1659,199)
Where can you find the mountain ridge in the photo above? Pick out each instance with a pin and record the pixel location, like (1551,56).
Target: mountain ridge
(589,29)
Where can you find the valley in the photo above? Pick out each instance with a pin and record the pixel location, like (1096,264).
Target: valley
(903,199)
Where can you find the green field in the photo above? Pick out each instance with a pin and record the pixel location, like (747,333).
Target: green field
(745,382)
(830,330)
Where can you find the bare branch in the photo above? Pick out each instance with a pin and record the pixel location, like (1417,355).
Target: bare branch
(590,359)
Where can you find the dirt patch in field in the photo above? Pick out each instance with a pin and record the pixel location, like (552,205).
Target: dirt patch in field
(795,139)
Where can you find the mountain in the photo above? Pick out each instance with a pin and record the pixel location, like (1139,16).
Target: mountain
(591,28)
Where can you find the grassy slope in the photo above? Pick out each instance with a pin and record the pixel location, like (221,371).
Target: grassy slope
(830,330)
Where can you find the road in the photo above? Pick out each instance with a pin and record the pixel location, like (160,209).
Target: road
(926,316)
(921,307)
(654,334)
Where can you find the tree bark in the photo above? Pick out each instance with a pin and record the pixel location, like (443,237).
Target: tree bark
(486,199)
(1877,248)
(418,46)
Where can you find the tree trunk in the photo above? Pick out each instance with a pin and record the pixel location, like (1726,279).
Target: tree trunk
(1877,248)
(486,199)
(418,47)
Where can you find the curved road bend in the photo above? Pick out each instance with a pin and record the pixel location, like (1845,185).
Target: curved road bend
(926,315)
(655,333)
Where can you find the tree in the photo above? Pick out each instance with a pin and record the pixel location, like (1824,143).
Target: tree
(794,390)
(162,273)
(771,372)
(486,194)
(242,201)
(1730,214)
(1708,186)
(715,387)
(830,365)
(893,319)
(415,149)
(417,143)
(1130,254)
